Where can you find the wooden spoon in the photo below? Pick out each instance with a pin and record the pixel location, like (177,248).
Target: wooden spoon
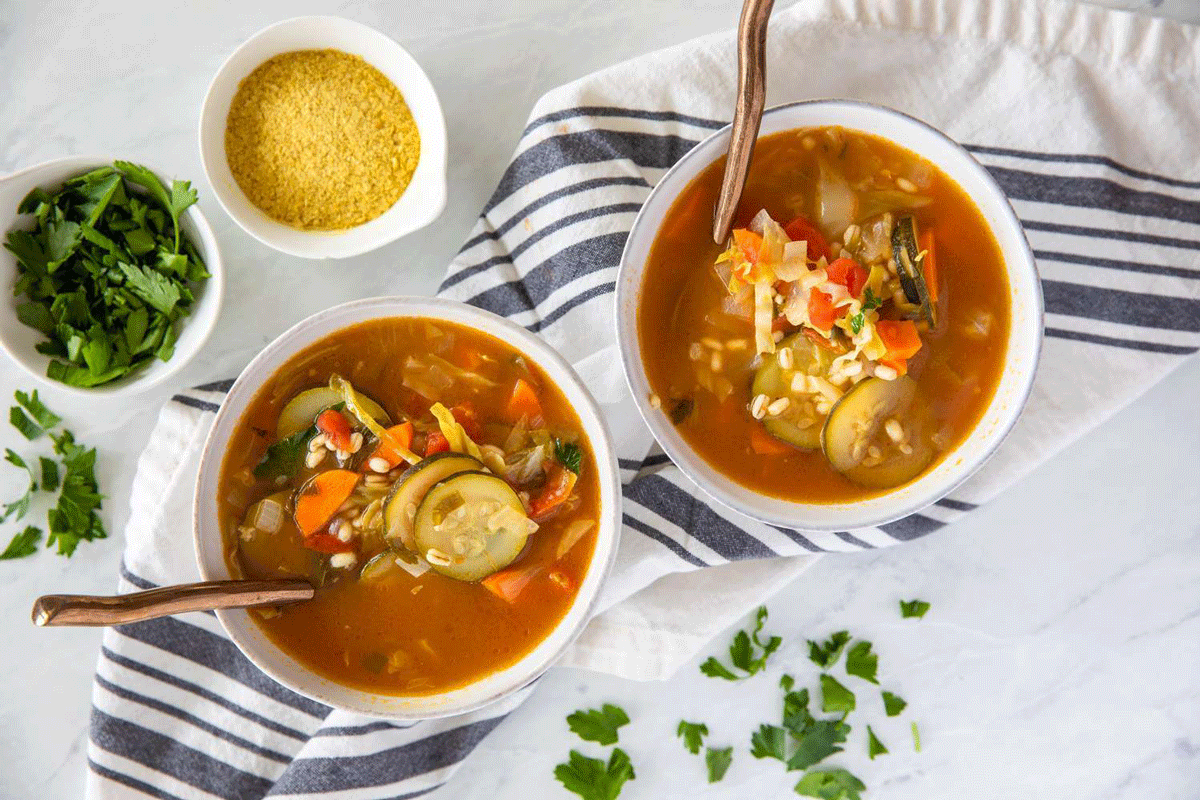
(93,610)
(752,92)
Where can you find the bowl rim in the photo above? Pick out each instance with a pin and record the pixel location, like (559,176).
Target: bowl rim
(582,608)
(431,124)
(681,454)
(199,323)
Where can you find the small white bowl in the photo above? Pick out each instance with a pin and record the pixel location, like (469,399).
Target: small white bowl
(1024,340)
(423,199)
(19,340)
(210,548)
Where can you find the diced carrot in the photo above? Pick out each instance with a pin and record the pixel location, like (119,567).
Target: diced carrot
(321,497)
(464,414)
(435,443)
(801,230)
(749,242)
(336,428)
(559,483)
(765,444)
(898,364)
(324,542)
(900,337)
(524,402)
(848,273)
(820,309)
(929,263)
(467,356)
(507,584)
(401,435)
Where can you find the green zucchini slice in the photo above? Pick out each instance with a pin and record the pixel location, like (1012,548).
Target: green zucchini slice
(302,410)
(471,525)
(910,267)
(857,421)
(400,508)
(774,381)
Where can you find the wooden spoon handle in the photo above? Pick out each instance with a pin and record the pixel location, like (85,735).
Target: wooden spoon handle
(751,97)
(92,610)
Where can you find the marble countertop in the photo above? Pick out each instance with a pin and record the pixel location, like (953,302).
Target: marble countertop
(1062,655)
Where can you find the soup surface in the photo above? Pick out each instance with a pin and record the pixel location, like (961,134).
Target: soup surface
(433,483)
(850,333)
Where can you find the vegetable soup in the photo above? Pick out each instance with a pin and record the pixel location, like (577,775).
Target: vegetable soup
(436,488)
(850,333)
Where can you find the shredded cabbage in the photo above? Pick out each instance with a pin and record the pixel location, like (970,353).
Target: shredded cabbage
(454,432)
(764,315)
(350,399)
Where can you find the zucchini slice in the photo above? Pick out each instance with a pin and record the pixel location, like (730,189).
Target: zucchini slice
(774,381)
(857,421)
(910,267)
(302,409)
(471,525)
(400,508)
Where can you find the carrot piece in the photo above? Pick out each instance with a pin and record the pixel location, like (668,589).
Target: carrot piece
(467,356)
(929,264)
(507,584)
(324,542)
(900,337)
(402,435)
(524,402)
(820,309)
(801,230)
(765,444)
(559,483)
(749,242)
(321,497)
(435,442)
(335,427)
(898,364)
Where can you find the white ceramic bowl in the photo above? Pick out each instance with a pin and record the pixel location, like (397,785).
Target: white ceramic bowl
(210,547)
(19,340)
(423,199)
(1024,341)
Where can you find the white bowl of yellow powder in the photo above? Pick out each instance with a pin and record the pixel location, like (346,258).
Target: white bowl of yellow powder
(323,138)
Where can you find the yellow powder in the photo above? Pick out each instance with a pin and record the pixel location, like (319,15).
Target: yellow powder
(320,140)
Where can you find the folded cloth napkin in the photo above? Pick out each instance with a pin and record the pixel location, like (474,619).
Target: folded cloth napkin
(1086,118)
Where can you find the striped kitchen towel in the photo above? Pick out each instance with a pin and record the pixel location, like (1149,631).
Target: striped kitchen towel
(1086,118)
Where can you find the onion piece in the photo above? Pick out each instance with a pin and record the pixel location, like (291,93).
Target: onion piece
(837,204)
(572,536)
(764,312)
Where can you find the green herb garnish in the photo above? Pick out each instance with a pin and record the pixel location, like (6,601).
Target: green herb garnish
(74,519)
(569,455)
(861,662)
(835,697)
(916,738)
(913,608)
(592,779)
(22,544)
(874,746)
(104,274)
(718,761)
(769,741)
(809,739)
(869,303)
(693,734)
(742,652)
(831,784)
(20,507)
(893,704)
(598,724)
(284,458)
(826,655)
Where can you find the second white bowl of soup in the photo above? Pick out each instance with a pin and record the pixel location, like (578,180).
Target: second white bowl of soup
(445,481)
(862,342)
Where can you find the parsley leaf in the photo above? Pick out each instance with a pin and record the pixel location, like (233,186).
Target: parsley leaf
(818,742)
(742,652)
(74,519)
(598,725)
(27,427)
(22,544)
(715,669)
(569,455)
(834,696)
(769,741)
(826,655)
(49,474)
(874,746)
(283,458)
(718,761)
(693,734)
(861,662)
(786,682)
(44,417)
(869,303)
(20,506)
(913,608)
(160,292)
(796,717)
(831,784)
(591,778)
(916,738)
(893,704)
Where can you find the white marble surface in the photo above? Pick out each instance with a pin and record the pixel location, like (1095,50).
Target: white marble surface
(1062,657)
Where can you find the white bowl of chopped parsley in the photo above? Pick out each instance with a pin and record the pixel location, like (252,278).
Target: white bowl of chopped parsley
(114,274)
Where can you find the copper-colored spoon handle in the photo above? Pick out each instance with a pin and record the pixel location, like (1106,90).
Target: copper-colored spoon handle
(751,97)
(92,610)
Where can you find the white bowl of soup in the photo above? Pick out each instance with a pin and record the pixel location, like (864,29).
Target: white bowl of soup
(860,344)
(442,477)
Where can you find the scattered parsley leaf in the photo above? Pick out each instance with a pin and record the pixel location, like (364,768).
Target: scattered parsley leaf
(819,741)
(74,519)
(893,704)
(913,608)
(826,655)
(718,761)
(796,717)
(861,662)
(591,778)
(20,506)
(598,724)
(715,669)
(769,741)
(831,784)
(22,544)
(44,417)
(284,458)
(693,734)
(786,682)
(870,302)
(835,697)
(569,455)
(49,474)
(742,652)
(916,738)
(27,427)
(874,746)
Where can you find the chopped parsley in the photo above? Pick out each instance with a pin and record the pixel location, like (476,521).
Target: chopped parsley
(835,698)
(23,544)
(893,704)
(802,740)
(718,760)
(916,737)
(913,608)
(869,303)
(284,458)
(874,746)
(598,724)
(748,652)
(569,455)
(831,784)
(693,734)
(826,655)
(861,662)
(20,507)
(592,778)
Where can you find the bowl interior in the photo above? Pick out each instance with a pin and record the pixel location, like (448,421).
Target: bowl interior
(1024,340)
(210,547)
(19,340)
(421,202)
